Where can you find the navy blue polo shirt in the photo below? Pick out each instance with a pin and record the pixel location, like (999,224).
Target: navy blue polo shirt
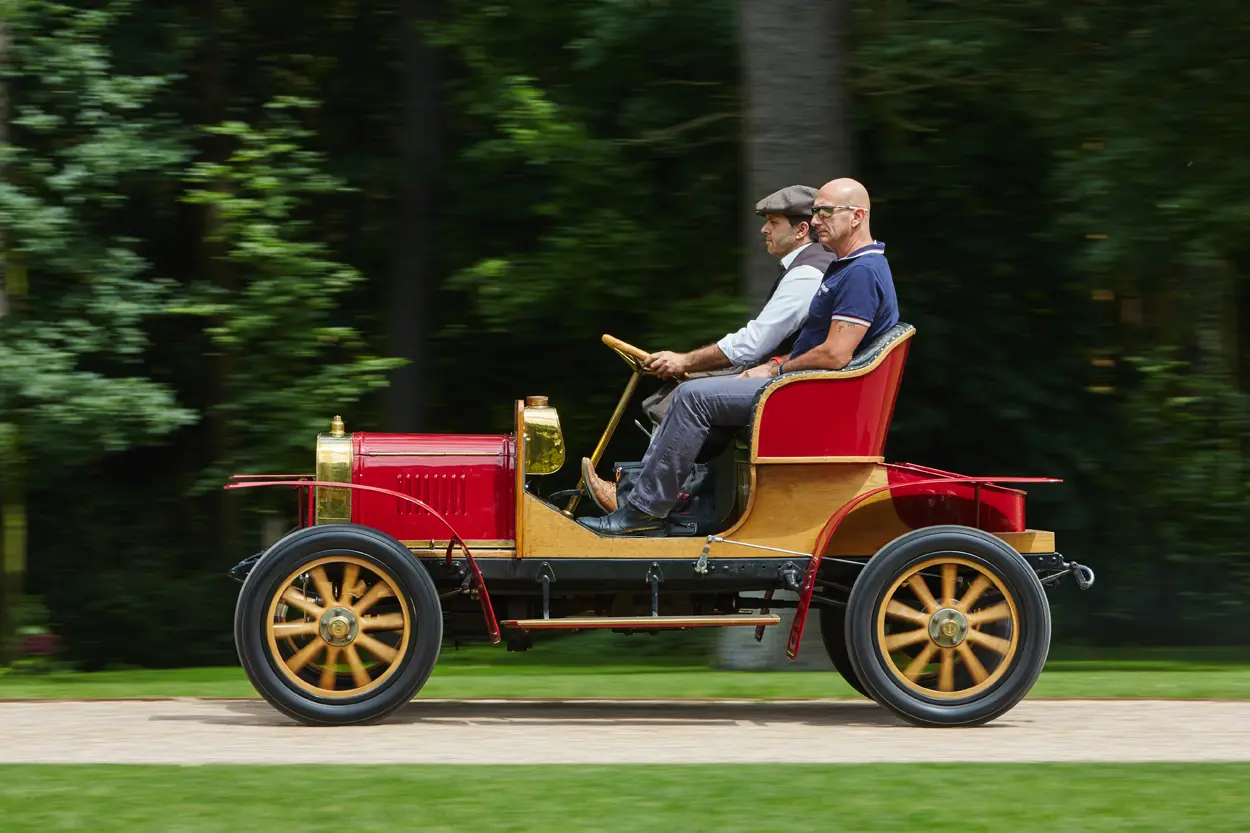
(858,288)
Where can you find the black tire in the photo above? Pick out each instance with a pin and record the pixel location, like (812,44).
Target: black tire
(386,557)
(833,634)
(987,554)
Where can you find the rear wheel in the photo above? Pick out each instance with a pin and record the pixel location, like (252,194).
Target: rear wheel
(338,624)
(949,627)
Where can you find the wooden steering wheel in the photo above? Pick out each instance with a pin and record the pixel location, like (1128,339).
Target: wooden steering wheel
(633,356)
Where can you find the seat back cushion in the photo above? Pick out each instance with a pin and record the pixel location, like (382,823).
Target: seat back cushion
(820,414)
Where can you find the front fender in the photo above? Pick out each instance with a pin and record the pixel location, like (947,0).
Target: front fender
(488,611)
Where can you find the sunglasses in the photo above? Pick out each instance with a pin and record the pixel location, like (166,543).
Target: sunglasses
(827,210)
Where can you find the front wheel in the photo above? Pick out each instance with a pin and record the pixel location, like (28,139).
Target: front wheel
(949,626)
(338,625)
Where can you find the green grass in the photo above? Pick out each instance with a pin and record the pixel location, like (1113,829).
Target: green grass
(562,671)
(868,797)
(674,666)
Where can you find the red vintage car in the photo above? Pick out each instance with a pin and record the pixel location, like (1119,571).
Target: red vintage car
(929,585)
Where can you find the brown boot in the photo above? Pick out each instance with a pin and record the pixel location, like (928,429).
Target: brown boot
(601,491)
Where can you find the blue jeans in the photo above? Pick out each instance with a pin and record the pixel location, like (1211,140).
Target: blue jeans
(696,406)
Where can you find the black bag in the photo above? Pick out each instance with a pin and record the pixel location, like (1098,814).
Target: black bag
(695,511)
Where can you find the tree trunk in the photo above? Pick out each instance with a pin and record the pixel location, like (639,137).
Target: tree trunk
(796,132)
(12,492)
(1212,288)
(4,141)
(12,547)
(418,156)
(796,125)
(214,254)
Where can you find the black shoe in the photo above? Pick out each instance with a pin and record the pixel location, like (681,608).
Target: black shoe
(627,520)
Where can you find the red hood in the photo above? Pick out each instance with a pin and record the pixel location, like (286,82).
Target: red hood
(468,478)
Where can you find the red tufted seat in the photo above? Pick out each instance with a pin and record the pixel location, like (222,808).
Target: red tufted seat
(825,415)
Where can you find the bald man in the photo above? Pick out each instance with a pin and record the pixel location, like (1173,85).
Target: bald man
(854,305)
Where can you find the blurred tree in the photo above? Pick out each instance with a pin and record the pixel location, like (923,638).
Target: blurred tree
(133,550)
(1176,523)
(1025,159)
(82,136)
(1155,173)
(292,365)
(295,360)
(4,140)
(12,550)
(590,191)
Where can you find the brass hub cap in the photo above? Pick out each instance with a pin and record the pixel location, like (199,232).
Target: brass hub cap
(947,628)
(338,627)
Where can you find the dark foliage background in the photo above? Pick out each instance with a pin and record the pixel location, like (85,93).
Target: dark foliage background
(206,219)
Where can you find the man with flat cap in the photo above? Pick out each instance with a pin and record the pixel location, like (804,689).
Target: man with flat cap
(788,236)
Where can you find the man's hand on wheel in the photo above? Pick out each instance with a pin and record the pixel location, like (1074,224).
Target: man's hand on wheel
(666,364)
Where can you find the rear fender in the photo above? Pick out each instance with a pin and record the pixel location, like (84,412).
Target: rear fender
(831,526)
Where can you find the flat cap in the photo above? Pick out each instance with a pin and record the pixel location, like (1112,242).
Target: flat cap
(791,201)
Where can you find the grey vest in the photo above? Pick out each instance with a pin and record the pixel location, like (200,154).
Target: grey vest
(814,255)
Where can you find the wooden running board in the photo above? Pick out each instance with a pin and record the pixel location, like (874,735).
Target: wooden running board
(642,622)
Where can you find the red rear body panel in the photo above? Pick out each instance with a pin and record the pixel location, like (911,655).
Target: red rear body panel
(469,479)
(1001,508)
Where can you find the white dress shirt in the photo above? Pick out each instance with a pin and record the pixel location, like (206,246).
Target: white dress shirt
(782,315)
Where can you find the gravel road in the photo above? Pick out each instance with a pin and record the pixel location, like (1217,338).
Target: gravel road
(192,731)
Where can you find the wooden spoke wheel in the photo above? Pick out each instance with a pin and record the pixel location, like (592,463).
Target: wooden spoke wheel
(338,624)
(949,626)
